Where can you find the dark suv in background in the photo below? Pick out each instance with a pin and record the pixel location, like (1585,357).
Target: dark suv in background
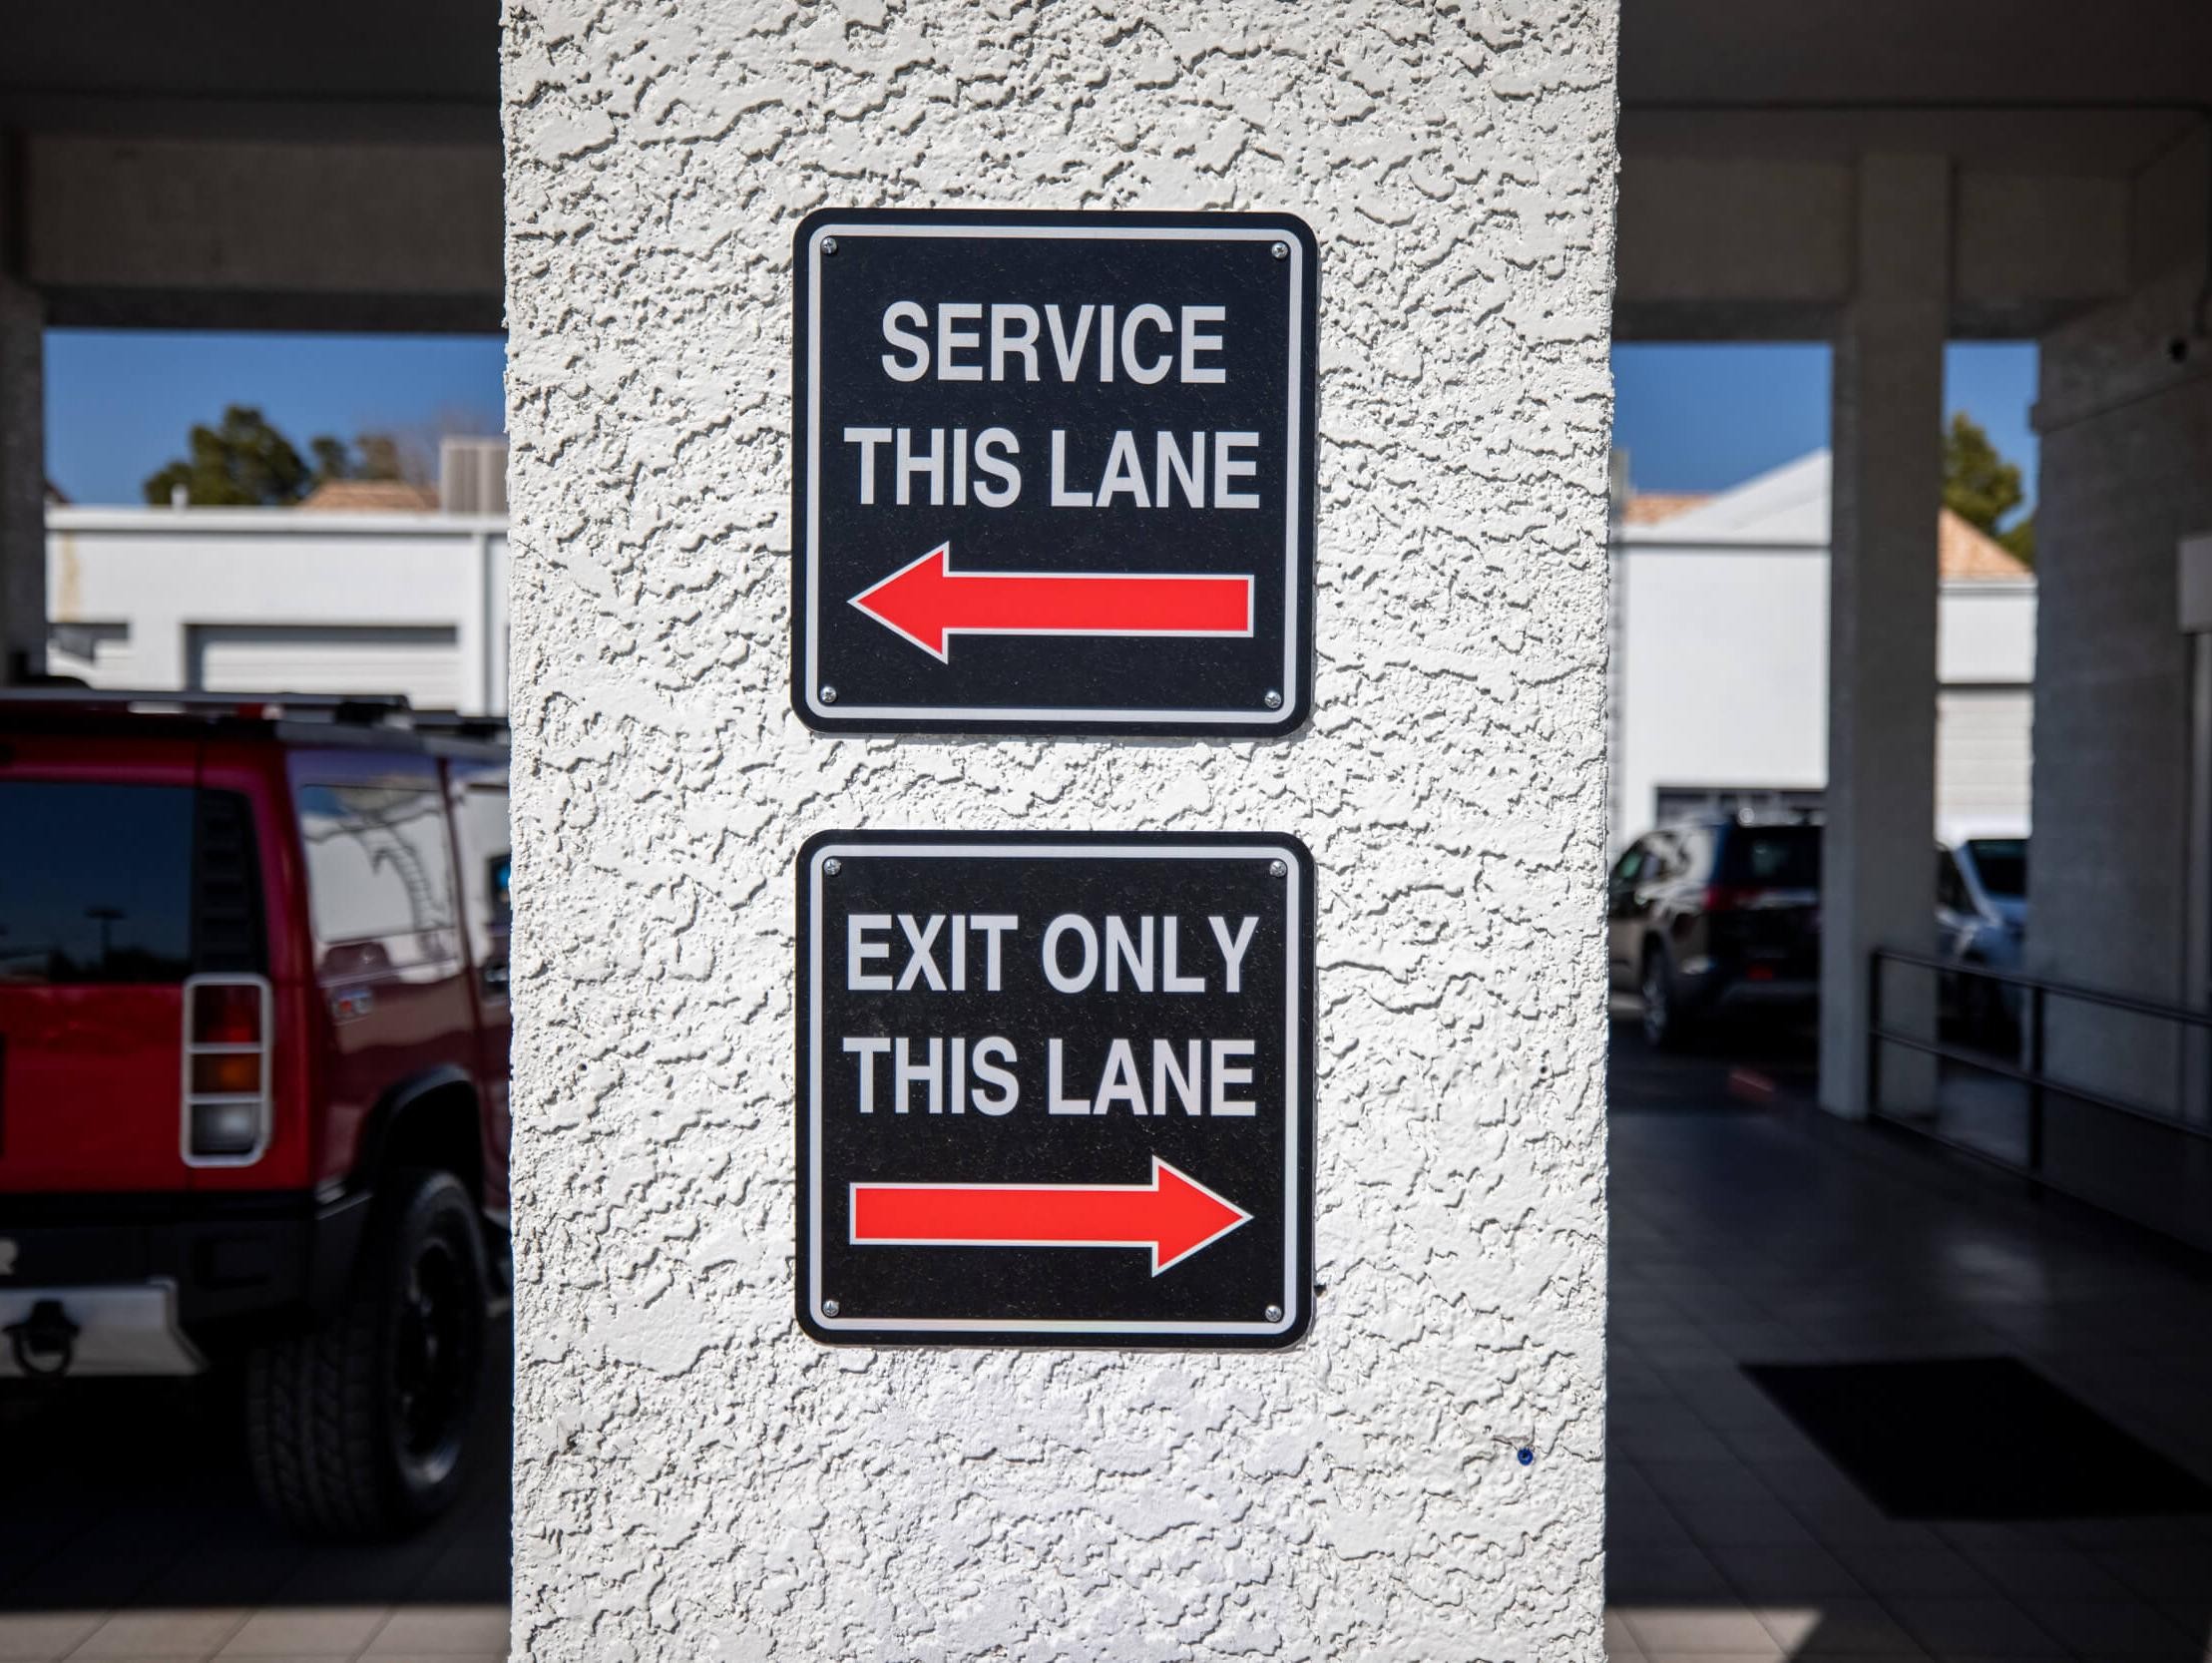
(1716,915)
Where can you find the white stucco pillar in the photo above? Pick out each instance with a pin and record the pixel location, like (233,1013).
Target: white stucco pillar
(1879,877)
(22,477)
(693,1476)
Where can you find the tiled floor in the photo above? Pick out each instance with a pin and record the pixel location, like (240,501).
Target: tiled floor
(295,1633)
(1748,1228)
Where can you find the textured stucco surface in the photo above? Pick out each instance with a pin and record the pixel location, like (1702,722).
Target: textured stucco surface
(694,1478)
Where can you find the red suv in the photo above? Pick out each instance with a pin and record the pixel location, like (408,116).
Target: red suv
(253,1072)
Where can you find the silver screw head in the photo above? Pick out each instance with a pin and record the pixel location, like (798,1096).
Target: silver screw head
(1282,250)
(829,695)
(829,244)
(833,866)
(1278,869)
(1274,1313)
(1273,701)
(829,1307)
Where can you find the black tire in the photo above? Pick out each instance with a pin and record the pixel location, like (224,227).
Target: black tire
(358,1427)
(1665,1028)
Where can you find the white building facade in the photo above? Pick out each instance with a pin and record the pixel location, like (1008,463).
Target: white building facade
(1721,662)
(280,599)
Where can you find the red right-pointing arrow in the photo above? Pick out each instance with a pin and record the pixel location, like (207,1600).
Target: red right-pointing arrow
(926,603)
(1174,1215)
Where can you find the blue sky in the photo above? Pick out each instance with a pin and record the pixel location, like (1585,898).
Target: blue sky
(1703,418)
(119,402)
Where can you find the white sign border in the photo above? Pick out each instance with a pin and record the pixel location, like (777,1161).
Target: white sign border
(1293,671)
(1293,1295)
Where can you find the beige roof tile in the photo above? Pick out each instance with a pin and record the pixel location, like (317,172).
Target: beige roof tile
(1649,508)
(371,496)
(1965,554)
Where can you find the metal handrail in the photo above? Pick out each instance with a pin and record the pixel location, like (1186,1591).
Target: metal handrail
(104,698)
(1987,1064)
(2032,1075)
(2044,983)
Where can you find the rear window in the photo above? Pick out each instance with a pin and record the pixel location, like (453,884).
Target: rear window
(95,882)
(378,866)
(2002,863)
(1772,857)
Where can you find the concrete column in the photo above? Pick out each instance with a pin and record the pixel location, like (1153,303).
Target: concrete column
(1879,884)
(22,479)
(694,1478)
(2127,476)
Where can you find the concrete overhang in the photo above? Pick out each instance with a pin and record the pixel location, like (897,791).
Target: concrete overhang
(272,166)
(339,166)
(2079,154)
(424,71)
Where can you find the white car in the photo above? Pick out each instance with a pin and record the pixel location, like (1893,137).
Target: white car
(1980,918)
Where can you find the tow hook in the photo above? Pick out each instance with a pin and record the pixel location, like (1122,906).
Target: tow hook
(47,1336)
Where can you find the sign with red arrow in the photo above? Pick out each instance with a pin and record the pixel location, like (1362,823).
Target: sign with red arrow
(1055,1088)
(927,604)
(1083,444)
(1172,1217)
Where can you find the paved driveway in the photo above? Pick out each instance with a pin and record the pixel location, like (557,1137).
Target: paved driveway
(1746,1227)
(129,1530)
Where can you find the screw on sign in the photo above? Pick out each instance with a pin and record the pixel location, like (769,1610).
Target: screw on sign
(1053,473)
(1055,1088)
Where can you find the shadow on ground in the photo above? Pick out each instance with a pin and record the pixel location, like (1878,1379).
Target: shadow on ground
(127,1494)
(1718,1068)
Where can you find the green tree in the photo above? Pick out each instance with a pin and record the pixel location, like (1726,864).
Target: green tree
(241,462)
(244,462)
(1982,486)
(331,462)
(378,457)
(373,456)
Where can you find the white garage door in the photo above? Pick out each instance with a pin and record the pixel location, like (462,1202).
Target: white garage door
(424,663)
(1984,756)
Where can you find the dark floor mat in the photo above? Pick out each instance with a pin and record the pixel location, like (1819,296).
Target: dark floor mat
(1985,1438)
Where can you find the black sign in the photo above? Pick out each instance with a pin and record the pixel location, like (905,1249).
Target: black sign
(1053,473)
(1055,1088)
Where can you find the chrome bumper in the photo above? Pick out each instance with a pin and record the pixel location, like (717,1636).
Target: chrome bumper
(126,1330)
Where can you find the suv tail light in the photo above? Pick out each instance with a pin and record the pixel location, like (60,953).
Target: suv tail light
(1735,898)
(227,1066)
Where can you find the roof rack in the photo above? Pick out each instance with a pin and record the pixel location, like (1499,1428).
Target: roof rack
(359,709)
(456,725)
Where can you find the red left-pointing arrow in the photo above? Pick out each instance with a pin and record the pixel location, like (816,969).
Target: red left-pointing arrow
(926,603)
(1173,1216)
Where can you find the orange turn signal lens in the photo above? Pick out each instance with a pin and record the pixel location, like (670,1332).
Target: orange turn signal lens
(227,1074)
